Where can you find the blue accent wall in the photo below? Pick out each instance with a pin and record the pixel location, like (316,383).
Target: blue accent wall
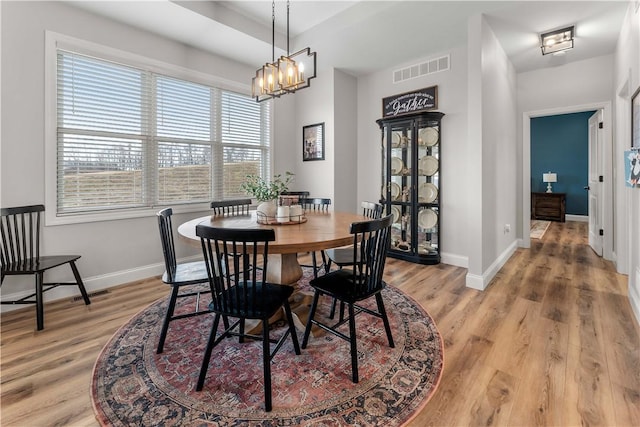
(560,144)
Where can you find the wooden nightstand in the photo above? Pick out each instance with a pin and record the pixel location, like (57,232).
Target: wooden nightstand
(549,206)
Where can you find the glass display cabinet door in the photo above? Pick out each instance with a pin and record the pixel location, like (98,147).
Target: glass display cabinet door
(400,183)
(428,184)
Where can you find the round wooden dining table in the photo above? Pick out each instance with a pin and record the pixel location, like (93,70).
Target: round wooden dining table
(321,230)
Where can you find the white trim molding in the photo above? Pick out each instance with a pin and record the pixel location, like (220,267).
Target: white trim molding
(482,282)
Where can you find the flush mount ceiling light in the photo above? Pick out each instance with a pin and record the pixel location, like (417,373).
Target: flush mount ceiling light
(557,40)
(286,75)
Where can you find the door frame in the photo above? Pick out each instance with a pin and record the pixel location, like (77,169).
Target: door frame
(607,188)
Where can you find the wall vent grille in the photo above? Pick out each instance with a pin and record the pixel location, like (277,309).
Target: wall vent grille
(431,66)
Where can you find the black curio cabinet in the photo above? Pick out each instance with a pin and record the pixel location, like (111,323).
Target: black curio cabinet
(411,187)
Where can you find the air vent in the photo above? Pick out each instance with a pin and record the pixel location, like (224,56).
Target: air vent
(431,66)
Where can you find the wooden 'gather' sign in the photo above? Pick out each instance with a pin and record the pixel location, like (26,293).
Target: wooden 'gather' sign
(410,102)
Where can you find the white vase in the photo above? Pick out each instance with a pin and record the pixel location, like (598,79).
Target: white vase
(267,210)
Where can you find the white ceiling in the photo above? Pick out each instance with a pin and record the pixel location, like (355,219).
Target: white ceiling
(361,37)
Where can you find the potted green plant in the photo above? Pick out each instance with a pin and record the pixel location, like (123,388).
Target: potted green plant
(267,191)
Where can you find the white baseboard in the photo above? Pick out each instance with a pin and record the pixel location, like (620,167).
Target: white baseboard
(453,259)
(581,218)
(92,284)
(480,283)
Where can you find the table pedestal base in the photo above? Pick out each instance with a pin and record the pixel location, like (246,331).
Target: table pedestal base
(283,269)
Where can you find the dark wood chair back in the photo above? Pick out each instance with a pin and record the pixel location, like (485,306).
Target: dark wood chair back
(168,246)
(231,207)
(371,240)
(371,210)
(229,255)
(20,231)
(315,204)
(301,194)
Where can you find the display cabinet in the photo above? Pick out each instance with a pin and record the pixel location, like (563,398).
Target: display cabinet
(411,186)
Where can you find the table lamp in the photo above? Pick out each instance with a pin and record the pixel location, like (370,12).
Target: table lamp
(549,178)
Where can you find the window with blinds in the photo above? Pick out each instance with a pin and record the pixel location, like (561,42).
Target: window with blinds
(131,138)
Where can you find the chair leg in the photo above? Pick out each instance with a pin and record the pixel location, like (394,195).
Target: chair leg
(167,318)
(333,308)
(307,330)
(266,361)
(314,263)
(207,353)
(241,337)
(385,319)
(327,265)
(292,327)
(39,302)
(83,291)
(354,346)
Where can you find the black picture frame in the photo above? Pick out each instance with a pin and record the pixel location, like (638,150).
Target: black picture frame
(635,120)
(313,142)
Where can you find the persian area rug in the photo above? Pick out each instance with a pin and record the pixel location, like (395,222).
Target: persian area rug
(132,385)
(538,228)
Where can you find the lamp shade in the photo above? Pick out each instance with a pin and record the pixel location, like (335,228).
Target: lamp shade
(549,177)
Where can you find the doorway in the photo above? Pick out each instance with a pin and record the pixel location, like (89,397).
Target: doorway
(607,187)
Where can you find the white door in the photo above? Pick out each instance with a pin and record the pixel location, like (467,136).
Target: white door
(595,182)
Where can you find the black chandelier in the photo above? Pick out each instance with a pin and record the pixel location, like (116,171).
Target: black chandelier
(286,75)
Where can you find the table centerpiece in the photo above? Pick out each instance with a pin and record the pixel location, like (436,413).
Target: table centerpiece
(266,193)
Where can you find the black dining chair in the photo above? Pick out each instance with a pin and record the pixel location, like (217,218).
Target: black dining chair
(185,279)
(371,240)
(20,254)
(231,207)
(243,296)
(320,205)
(343,257)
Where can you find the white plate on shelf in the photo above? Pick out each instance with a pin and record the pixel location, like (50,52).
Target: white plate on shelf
(396,139)
(427,192)
(427,165)
(427,218)
(396,165)
(396,214)
(395,191)
(428,137)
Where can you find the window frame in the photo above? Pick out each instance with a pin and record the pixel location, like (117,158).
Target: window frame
(55,41)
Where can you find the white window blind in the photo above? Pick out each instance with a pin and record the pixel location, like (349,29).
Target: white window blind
(130,138)
(244,129)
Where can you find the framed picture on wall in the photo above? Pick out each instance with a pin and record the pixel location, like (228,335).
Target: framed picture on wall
(635,120)
(313,142)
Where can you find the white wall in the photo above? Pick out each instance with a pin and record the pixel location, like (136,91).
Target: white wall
(452,100)
(313,176)
(627,200)
(345,146)
(492,143)
(113,252)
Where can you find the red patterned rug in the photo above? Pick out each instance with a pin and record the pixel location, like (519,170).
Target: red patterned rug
(132,385)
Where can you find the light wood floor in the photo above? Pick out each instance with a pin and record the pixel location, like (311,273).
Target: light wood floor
(552,341)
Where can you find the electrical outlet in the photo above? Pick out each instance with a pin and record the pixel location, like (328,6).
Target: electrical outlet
(507,228)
